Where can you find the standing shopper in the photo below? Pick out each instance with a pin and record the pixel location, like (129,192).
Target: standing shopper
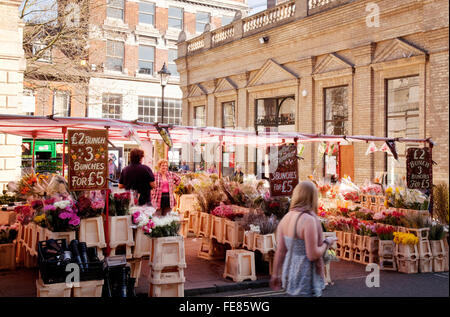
(298,263)
(165,182)
(137,176)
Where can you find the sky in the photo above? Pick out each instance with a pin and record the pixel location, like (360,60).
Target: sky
(256,6)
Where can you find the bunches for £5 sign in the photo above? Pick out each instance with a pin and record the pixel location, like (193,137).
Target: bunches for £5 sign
(88,159)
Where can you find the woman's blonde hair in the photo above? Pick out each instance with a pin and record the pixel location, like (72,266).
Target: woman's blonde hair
(160,162)
(305,196)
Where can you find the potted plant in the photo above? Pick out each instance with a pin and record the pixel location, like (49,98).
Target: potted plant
(406,252)
(120,230)
(439,253)
(62,218)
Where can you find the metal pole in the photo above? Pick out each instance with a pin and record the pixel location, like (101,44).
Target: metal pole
(33,159)
(431,180)
(108,249)
(64,130)
(162,101)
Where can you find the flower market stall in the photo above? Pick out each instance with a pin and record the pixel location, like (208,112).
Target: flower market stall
(235,219)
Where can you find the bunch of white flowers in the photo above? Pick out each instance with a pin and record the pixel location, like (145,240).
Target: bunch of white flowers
(63,204)
(254,228)
(166,220)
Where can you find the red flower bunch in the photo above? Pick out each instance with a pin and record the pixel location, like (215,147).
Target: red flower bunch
(24,214)
(385,232)
(226,211)
(353,196)
(344,211)
(122,196)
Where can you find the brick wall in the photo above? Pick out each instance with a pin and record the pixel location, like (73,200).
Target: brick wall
(412,40)
(12,65)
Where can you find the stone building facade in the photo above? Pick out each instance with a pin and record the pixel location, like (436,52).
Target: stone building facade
(361,67)
(12,66)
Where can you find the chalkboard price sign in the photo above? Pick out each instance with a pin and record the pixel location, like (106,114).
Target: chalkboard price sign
(419,168)
(284,177)
(88,159)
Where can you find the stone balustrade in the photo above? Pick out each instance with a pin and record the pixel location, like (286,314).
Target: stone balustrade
(283,13)
(271,16)
(222,34)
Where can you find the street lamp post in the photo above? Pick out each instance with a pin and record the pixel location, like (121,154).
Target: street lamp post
(164,76)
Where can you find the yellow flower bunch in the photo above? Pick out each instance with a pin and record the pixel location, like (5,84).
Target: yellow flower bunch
(405,238)
(39,219)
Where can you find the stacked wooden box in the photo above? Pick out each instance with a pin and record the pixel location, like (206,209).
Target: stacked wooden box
(93,233)
(386,253)
(357,248)
(167,263)
(370,250)
(210,249)
(424,249)
(240,265)
(79,289)
(121,234)
(440,255)
(347,246)
(407,257)
(339,244)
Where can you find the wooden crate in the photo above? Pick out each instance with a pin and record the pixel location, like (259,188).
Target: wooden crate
(38,235)
(29,235)
(358,242)
(424,249)
(193,221)
(8,256)
(248,240)
(439,264)
(135,269)
(422,234)
(120,231)
(357,255)
(340,251)
(233,233)
(167,251)
(30,261)
(240,265)
(92,232)
(204,224)
(347,253)
(184,223)
(142,244)
(188,203)
(406,251)
(7,218)
(364,201)
(210,249)
(53,290)
(386,249)
(340,237)
(370,244)
(388,264)
(166,290)
(168,275)
(264,243)
(269,257)
(217,228)
(69,235)
(426,265)
(348,239)
(437,247)
(369,257)
(21,249)
(408,266)
(88,288)
(447,254)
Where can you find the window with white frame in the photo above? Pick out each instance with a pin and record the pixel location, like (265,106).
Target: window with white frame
(201,19)
(115,9)
(146,59)
(226,20)
(112,106)
(44,53)
(28,102)
(147,12)
(61,103)
(149,110)
(199,116)
(172,56)
(175,18)
(114,55)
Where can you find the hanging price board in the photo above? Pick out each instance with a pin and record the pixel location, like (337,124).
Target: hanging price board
(283,175)
(419,168)
(88,159)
